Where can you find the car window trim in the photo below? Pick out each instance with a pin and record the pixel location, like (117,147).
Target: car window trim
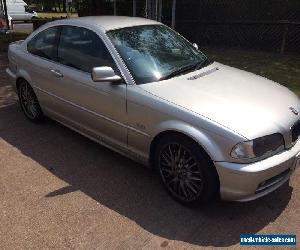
(128,80)
(61,29)
(55,43)
(123,75)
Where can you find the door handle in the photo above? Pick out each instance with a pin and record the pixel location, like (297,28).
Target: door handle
(56,73)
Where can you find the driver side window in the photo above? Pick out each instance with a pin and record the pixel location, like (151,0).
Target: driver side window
(83,49)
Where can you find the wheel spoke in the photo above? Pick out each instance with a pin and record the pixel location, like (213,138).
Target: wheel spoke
(26,91)
(166,159)
(179,153)
(183,189)
(195,173)
(191,165)
(189,159)
(171,153)
(188,184)
(195,178)
(23,95)
(33,110)
(169,172)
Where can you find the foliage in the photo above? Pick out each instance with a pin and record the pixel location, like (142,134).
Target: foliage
(51,5)
(5,40)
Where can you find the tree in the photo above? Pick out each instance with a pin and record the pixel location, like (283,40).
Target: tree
(6,15)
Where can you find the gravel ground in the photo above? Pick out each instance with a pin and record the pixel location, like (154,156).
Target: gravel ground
(60,190)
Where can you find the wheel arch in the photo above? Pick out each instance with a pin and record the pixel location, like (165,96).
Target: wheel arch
(205,143)
(22,75)
(19,80)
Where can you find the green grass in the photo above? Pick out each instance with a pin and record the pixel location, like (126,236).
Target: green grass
(55,15)
(5,40)
(284,69)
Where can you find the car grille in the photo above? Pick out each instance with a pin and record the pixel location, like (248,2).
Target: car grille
(295,130)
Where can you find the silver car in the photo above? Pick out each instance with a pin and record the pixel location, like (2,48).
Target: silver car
(141,89)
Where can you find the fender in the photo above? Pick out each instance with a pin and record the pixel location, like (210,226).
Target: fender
(23,74)
(204,138)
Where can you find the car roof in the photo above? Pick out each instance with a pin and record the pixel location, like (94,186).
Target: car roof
(107,23)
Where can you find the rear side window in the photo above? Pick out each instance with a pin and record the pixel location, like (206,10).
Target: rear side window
(83,49)
(44,44)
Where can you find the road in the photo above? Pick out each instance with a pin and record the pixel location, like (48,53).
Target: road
(60,190)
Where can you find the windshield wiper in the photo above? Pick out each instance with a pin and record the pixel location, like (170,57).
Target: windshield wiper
(187,68)
(178,72)
(202,64)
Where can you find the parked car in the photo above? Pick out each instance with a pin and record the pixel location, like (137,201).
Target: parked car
(141,89)
(18,10)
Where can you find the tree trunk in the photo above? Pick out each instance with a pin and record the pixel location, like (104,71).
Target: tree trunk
(173,14)
(6,14)
(59,5)
(55,5)
(64,6)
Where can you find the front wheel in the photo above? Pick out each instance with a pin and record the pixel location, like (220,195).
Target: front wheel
(185,170)
(29,102)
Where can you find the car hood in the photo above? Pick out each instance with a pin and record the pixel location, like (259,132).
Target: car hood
(247,104)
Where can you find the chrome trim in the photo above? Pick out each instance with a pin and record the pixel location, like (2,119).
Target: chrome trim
(121,59)
(93,113)
(195,77)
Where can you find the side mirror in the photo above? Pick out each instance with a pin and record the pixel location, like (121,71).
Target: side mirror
(105,74)
(196,46)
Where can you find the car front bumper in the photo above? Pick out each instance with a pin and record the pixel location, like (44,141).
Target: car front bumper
(246,182)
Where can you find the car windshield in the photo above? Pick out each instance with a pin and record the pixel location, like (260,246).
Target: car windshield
(155,52)
(28,9)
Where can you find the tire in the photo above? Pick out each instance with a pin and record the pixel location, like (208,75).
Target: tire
(191,178)
(29,102)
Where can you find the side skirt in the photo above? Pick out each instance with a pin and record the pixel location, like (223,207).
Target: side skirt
(100,140)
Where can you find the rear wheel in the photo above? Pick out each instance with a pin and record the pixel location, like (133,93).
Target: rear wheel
(185,170)
(29,102)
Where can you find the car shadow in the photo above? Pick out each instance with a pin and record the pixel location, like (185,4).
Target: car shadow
(132,190)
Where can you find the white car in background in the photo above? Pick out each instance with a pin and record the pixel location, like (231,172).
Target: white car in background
(18,10)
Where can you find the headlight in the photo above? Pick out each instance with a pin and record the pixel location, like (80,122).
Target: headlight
(261,147)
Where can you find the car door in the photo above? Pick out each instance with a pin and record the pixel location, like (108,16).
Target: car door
(41,57)
(96,108)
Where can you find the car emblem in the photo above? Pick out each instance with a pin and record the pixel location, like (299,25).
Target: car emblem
(296,112)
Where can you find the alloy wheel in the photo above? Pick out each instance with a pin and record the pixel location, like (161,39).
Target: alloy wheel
(180,172)
(28,100)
